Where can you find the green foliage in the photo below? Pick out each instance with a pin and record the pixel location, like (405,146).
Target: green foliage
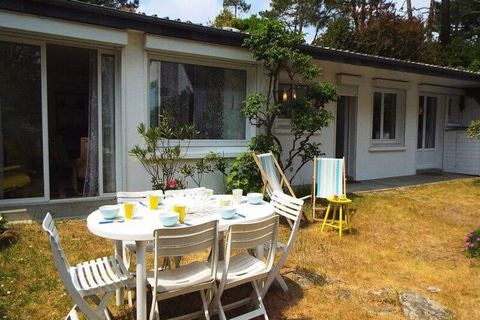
(339,34)
(472,243)
(246,24)
(224,19)
(211,163)
(7,235)
(126,5)
(473,130)
(279,51)
(162,154)
(244,174)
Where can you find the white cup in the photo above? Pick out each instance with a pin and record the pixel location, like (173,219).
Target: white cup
(237,196)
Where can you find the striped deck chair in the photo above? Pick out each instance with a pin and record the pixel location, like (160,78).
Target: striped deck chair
(272,175)
(328,179)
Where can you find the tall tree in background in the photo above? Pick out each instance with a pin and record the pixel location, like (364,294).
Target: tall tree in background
(444,36)
(299,14)
(238,5)
(126,5)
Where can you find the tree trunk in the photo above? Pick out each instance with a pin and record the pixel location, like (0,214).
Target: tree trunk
(430,19)
(445,22)
(409,10)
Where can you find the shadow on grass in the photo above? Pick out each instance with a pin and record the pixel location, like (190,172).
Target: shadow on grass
(276,302)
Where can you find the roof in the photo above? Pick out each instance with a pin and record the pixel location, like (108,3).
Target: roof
(108,17)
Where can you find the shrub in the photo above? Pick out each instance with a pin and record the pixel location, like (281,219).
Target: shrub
(472,243)
(244,174)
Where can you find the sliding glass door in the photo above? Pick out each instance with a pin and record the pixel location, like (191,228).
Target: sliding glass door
(21,129)
(57,122)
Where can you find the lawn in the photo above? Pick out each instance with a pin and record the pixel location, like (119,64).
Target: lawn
(404,240)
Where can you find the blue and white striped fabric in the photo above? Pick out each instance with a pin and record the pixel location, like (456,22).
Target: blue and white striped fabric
(273,176)
(329,179)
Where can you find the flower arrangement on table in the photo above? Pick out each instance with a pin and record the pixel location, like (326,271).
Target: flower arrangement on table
(472,243)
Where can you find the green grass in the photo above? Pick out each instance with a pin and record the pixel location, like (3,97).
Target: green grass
(407,239)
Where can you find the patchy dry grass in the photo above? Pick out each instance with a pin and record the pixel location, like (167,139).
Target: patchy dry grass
(404,240)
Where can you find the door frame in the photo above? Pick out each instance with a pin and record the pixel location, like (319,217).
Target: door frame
(439,127)
(42,43)
(350,133)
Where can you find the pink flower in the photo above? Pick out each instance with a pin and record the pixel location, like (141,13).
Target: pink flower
(467,244)
(478,239)
(171,183)
(471,245)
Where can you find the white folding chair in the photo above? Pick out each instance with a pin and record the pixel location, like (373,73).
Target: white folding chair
(94,280)
(129,247)
(192,277)
(290,208)
(244,268)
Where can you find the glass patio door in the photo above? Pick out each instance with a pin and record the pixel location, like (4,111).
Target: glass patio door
(427,144)
(21,122)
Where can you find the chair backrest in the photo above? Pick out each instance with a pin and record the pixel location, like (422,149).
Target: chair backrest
(290,208)
(174,242)
(124,196)
(63,267)
(329,177)
(197,193)
(244,236)
(272,175)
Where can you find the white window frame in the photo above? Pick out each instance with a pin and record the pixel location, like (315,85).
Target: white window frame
(200,147)
(42,42)
(399,139)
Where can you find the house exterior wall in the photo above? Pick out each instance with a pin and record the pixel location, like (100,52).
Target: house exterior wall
(374,161)
(135,49)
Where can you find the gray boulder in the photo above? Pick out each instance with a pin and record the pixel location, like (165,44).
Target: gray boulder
(417,307)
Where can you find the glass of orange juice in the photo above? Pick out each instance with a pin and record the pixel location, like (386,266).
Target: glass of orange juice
(129,208)
(181,209)
(153,201)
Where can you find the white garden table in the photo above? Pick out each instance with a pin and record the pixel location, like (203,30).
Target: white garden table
(140,229)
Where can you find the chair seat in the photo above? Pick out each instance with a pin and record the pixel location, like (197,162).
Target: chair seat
(100,275)
(189,275)
(130,245)
(243,267)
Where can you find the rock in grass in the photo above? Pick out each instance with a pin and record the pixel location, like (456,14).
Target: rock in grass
(417,307)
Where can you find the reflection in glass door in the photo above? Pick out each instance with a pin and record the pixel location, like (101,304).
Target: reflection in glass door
(21,148)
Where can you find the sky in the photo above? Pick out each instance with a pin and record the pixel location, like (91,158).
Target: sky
(204,11)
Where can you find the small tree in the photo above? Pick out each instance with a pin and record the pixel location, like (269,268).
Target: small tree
(279,50)
(162,155)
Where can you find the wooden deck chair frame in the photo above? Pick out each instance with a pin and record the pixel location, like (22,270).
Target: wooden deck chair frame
(314,185)
(249,269)
(178,242)
(266,180)
(95,280)
(283,180)
(291,209)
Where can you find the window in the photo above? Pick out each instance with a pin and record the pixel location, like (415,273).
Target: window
(388,116)
(209,97)
(454,109)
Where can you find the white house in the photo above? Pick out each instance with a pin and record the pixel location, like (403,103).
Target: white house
(75,76)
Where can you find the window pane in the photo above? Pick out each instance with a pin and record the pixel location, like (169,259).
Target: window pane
(209,97)
(21,149)
(421,111)
(108,122)
(389,115)
(431,116)
(377,115)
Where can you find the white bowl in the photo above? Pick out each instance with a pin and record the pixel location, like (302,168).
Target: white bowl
(109,211)
(169,219)
(227,212)
(254,198)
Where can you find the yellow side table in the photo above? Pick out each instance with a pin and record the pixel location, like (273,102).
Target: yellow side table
(339,205)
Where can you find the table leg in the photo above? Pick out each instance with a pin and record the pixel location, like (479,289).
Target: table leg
(119,252)
(141,247)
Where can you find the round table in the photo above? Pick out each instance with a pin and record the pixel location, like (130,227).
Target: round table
(140,229)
